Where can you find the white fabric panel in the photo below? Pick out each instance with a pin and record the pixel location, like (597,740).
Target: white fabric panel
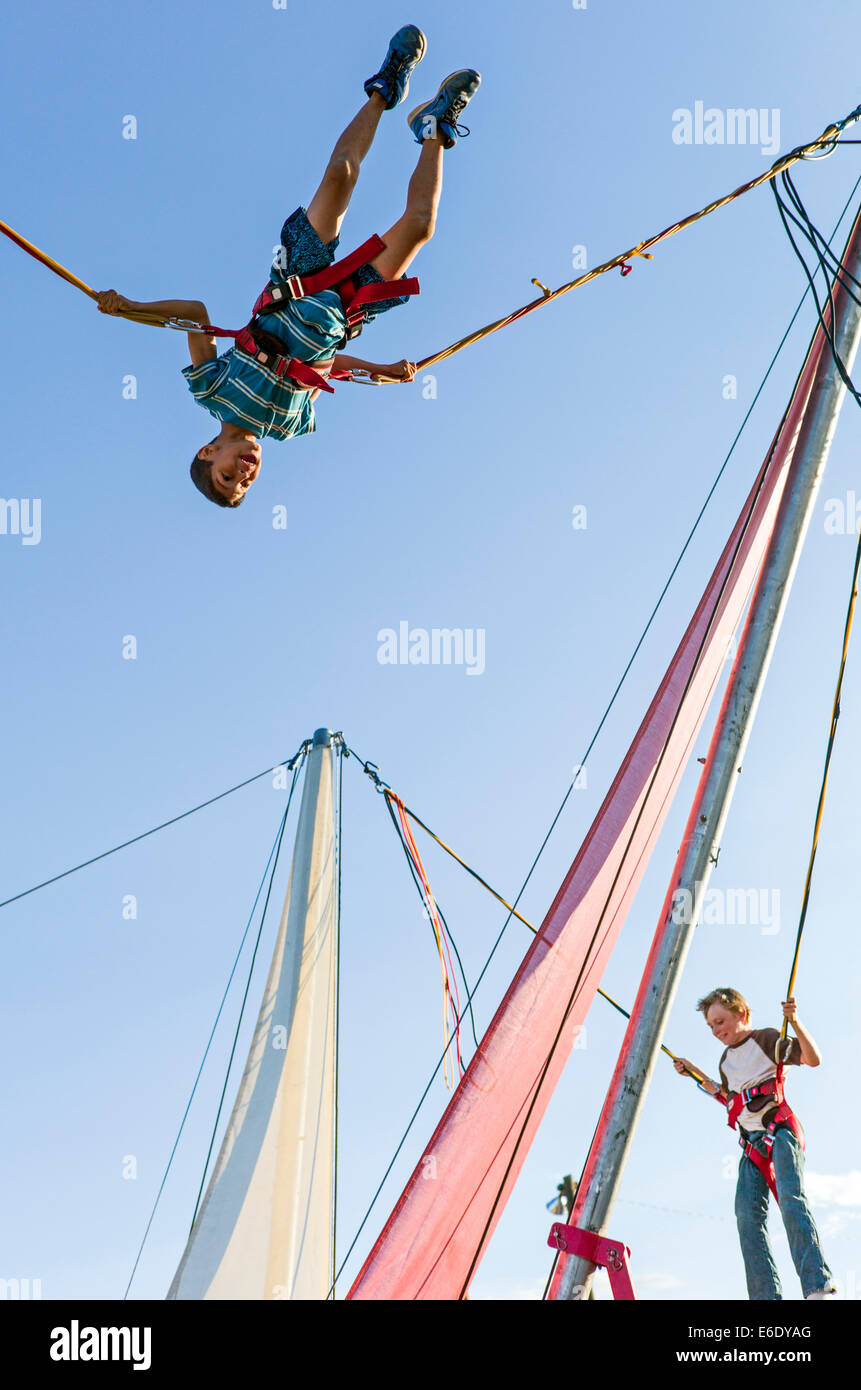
(264,1229)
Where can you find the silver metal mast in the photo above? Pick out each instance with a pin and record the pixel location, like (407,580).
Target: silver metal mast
(700,846)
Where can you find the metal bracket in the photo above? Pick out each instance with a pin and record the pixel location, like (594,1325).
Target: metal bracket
(294,287)
(297,755)
(373,772)
(609,1254)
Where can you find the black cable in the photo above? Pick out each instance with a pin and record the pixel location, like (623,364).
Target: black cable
(805,227)
(556,1252)
(786,214)
(205,1055)
(832,735)
(809,231)
(821,246)
(473,873)
(134,840)
(296,771)
(338,852)
(490,889)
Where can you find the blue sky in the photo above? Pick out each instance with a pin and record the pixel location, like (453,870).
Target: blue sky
(446,508)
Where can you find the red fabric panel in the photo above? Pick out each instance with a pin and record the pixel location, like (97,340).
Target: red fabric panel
(457,1192)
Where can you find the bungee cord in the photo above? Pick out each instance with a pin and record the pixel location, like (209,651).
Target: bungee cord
(823,146)
(268,872)
(85,864)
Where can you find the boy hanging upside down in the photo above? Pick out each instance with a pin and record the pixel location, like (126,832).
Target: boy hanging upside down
(266,383)
(751,1087)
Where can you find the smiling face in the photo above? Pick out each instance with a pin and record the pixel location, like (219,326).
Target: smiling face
(233,466)
(728,1027)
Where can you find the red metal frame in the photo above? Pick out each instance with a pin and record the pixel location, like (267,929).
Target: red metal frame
(610,1254)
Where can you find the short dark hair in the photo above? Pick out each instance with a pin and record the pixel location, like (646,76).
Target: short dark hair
(201,476)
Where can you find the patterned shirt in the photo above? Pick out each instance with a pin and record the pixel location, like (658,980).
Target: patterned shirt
(754,1060)
(236,389)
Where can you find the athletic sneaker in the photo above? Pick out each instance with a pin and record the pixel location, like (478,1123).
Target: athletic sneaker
(406,49)
(439,116)
(822,1293)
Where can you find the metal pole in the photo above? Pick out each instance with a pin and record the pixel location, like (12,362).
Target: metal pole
(700,846)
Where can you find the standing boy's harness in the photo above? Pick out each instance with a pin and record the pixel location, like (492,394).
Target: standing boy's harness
(268,350)
(782,1114)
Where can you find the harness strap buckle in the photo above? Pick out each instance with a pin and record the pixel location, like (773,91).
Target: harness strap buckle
(278,291)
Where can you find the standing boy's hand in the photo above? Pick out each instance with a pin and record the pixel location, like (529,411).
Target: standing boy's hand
(686,1068)
(790,1009)
(810,1053)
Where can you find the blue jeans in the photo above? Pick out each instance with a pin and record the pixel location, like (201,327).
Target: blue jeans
(751,1213)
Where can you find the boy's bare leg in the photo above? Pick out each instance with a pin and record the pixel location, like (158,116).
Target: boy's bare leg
(330,202)
(412,231)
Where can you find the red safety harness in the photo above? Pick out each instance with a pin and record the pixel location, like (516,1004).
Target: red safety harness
(782,1114)
(268,350)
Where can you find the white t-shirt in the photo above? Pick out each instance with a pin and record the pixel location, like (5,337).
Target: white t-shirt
(755,1059)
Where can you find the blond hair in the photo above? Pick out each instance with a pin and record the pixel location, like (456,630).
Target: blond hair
(730,998)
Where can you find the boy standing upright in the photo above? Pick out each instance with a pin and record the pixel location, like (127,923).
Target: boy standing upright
(751,1086)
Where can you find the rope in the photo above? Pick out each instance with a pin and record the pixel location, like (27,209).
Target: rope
(500,899)
(135,838)
(832,733)
(813,236)
(338,845)
(185,1114)
(464,865)
(450,996)
(46,260)
(826,143)
(442,933)
(296,772)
